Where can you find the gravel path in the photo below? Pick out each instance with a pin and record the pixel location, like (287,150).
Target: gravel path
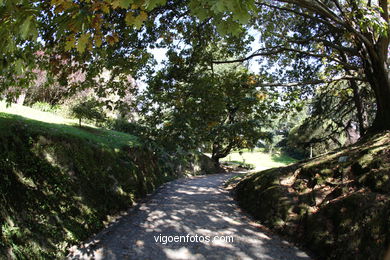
(192,209)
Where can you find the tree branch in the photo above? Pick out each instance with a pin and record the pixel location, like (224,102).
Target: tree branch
(280,49)
(321,9)
(306,15)
(313,82)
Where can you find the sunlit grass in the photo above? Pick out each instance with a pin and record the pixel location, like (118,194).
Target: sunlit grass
(56,125)
(35,114)
(260,159)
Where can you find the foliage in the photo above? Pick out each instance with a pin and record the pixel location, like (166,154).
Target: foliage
(125,126)
(338,116)
(46,107)
(280,127)
(219,109)
(45,89)
(322,42)
(327,41)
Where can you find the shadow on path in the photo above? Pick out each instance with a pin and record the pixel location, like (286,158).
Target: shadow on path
(193,208)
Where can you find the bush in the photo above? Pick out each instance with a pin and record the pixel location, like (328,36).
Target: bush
(125,126)
(46,107)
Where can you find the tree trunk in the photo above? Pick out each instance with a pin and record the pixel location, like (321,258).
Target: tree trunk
(216,155)
(382,117)
(378,77)
(218,152)
(216,162)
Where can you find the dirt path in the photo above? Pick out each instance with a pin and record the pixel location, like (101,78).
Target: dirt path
(192,209)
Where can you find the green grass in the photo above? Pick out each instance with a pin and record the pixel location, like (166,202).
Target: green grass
(42,121)
(260,159)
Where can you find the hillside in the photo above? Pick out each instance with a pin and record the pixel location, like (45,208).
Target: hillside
(59,183)
(337,205)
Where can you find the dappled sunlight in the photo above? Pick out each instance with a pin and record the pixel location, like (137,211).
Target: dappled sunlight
(195,207)
(181,253)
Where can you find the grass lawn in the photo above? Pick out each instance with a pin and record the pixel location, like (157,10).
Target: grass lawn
(57,125)
(260,159)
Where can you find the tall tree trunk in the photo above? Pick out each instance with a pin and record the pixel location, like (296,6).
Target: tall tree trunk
(376,68)
(378,76)
(216,162)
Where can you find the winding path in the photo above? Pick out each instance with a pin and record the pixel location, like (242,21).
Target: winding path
(194,208)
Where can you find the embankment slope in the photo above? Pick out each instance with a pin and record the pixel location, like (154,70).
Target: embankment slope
(337,205)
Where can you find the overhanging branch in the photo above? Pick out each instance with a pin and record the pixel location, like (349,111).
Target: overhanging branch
(306,15)
(312,82)
(280,49)
(320,8)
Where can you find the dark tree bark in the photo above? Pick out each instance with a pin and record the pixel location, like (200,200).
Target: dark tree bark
(378,76)
(218,152)
(374,53)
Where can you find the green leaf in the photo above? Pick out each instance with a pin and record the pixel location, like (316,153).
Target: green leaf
(219,7)
(25,27)
(243,17)
(125,3)
(82,42)
(19,66)
(140,19)
(70,44)
(129,19)
(151,4)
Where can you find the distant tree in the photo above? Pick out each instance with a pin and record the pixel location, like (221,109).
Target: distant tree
(90,109)
(221,108)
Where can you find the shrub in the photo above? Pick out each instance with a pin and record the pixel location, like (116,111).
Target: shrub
(46,107)
(122,125)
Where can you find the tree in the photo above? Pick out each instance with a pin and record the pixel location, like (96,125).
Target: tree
(89,109)
(347,39)
(338,39)
(220,109)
